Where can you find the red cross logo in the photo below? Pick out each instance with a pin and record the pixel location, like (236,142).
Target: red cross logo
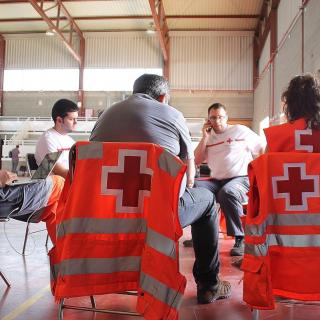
(308,140)
(295,186)
(130,181)
(229,140)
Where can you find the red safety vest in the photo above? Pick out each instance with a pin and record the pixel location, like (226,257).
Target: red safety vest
(292,137)
(282,242)
(118,227)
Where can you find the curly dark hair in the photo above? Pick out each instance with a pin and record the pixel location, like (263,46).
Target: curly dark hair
(302,100)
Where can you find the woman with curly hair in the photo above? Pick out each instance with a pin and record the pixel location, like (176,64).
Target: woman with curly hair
(301,133)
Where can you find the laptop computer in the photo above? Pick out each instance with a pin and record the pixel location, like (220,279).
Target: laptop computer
(43,171)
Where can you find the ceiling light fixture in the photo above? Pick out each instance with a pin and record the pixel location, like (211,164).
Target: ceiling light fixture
(50,32)
(150,29)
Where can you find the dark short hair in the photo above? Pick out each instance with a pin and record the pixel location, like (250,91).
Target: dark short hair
(216,106)
(302,100)
(62,107)
(152,85)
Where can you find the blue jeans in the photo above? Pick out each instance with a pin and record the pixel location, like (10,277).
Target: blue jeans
(197,208)
(230,194)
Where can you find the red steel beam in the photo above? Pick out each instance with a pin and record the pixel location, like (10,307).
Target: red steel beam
(53,26)
(2,60)
(68,43)
(157,24)
(270,21)
(136,17)
(165,32)
(81,71)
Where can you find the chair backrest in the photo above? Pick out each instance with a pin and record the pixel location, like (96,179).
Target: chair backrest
(130,217)
(282,243)
(31,163)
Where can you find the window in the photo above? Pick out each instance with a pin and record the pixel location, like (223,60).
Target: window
(113,79)
(41,80)
(68,79)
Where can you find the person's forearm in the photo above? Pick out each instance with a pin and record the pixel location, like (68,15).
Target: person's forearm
(200,151)
(191,171)
(60,170)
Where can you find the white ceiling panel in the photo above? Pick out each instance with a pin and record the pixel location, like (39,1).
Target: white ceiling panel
(109,8)
(203,7)
(106,25)
(216,24)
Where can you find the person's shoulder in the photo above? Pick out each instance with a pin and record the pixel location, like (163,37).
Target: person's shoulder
(49,132)
(243,128)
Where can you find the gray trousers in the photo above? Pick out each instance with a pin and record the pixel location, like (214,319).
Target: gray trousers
(230,194)
(197,208)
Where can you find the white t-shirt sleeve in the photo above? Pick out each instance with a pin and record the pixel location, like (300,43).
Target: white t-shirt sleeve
(255,143)
(44,146)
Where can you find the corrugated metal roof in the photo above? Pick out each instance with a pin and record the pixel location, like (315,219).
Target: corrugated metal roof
(19,15)
(203,7)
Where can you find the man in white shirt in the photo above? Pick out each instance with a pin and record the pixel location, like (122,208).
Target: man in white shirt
(228,149)
(64,115)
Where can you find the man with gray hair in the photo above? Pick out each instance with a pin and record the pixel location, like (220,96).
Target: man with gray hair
(146,117)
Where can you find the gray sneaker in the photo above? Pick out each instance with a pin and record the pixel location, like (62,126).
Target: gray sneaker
(238,248)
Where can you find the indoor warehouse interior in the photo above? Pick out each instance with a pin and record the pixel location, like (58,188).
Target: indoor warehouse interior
(159,159)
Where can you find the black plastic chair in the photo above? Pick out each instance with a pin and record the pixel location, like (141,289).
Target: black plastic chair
(4,278)
(31,163)
(32,166)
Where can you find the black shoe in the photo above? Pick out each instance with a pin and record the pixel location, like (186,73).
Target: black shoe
(208,294)
(237,262)
(238,248)
(188,243)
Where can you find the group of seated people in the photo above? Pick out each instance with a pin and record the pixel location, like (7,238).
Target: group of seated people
(146,116)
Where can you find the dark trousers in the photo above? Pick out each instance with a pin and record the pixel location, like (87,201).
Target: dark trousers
(197,208)
(230,194)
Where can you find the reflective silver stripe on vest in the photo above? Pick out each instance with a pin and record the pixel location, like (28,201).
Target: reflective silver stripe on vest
(294,241)
(283,240)
(160,291)
(161,243)
(100,226)
(290,220)
(257,250)
(168,163)
(83,266)
(92,150)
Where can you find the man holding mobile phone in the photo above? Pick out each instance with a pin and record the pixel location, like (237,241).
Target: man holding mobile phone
(228,149)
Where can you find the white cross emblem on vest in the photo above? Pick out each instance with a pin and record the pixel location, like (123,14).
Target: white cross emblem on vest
(130,181)
(295,186)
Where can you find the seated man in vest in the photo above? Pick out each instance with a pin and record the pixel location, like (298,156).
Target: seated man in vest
(146,117)
(35,201)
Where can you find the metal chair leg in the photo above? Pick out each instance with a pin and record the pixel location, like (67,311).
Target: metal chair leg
(25,239)
(60,311)
(255,314)
(47,240)
(93,302)
(5,279)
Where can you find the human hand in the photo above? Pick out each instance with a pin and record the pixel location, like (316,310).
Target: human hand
(6,177)
(190,182)
(206,128)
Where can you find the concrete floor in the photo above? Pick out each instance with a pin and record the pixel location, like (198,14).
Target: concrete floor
(29,297)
